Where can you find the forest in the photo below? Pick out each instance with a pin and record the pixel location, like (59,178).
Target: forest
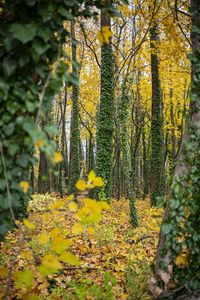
(100,149)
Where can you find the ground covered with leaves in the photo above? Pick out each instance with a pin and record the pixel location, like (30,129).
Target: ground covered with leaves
(63,252)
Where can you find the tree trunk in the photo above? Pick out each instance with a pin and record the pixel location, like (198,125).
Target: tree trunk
(105,120)
(180,229)
(156,120)
(74,131)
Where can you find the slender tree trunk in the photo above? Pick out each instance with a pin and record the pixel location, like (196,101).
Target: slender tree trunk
(145,167)
(105,121)
(42,174)
(74,132)
(126,155)
(156,181)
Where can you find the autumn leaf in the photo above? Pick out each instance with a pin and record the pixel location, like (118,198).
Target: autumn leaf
(81,185)
(43,238)
(73,207)
(59,244)
(24,278)
(70,259)
(91,230)
(77,228)
(57,157)
(28,224)
(181,260)
(91,176)
(50,264)
(98,182)
(24,185)
(104,35)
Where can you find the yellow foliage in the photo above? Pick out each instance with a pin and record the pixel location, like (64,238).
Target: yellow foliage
(104,35)
(70,259)
(57,157)
(51,262)
(24,185)
(43,238)
(81,185)
(60,244)
(28,224)
(181,260)
(73,207)
(77,228)
(91,230)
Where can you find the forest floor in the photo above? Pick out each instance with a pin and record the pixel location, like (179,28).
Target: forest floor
(115,258)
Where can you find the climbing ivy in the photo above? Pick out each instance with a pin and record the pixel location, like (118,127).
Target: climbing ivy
(156,183)
(126,155)
(32,70)
(180,229)
(105,119)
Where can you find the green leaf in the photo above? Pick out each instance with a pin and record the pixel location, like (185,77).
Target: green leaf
(13,148)
(24,279)
(166,228)
(40,46)
(23,32)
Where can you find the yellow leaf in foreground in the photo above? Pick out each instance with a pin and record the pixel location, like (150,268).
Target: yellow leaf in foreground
(91,230)
(57,204)
(24,279)
(70,259)
(28,224)
(73,206)
(54,232)
(77,228)
(81,185)
(57,157)
(91,176)
(24,185)
(181,260)
(59,244)
(43,238)
(98,182)
(70,197)
(50,261)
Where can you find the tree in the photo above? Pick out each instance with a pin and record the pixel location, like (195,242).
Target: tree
(32,37)
(156,120)
(126,153)
(178,258)
(74,164)
(105,120)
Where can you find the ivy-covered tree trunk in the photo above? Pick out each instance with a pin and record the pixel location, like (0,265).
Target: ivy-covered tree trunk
(156,181)
(126,155)
(145,165)
(74,163)
(105,120)
(178,254)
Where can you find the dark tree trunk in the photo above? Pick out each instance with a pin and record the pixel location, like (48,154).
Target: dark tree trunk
(43,174)
(105,120)
(74,170)
(156,180)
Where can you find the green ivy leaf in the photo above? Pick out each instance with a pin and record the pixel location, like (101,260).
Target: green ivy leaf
(23,32)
